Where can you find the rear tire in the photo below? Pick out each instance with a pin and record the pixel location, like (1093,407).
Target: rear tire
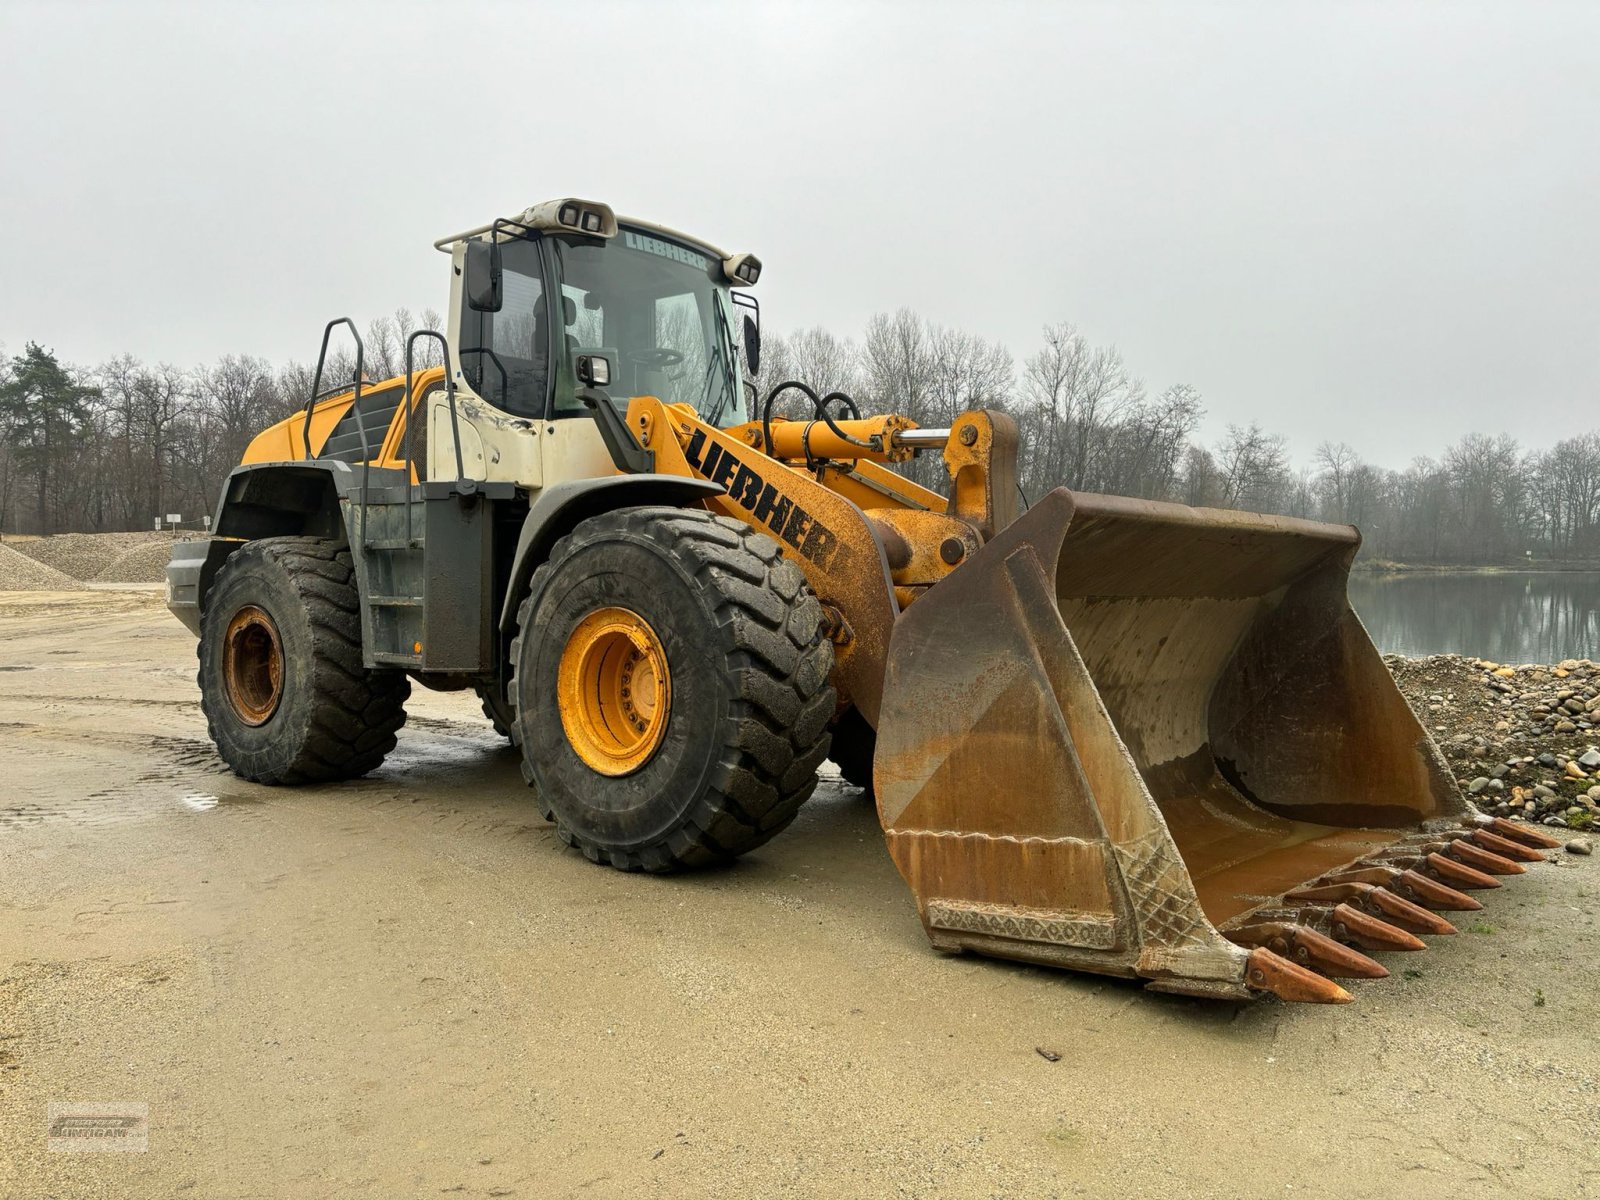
(501,715)
(733,721)
(282,685)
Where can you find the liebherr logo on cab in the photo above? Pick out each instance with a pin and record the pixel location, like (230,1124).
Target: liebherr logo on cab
(790,523)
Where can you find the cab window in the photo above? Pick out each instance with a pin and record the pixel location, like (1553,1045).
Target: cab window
(505,355)
(657,311)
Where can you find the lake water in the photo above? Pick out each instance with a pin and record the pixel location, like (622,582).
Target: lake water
(1514,617)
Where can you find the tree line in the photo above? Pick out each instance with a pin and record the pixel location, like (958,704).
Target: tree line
(1087,422)
(115,446)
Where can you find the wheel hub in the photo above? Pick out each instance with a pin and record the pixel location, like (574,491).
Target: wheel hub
(252,665)
(614,691)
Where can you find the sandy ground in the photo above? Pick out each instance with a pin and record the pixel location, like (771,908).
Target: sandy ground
(405,987)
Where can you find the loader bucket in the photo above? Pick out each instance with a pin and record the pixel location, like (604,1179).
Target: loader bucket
(1155,741)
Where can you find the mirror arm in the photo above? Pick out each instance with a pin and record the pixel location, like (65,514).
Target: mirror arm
(626,453)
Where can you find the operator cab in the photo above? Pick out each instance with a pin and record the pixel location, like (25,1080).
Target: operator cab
(568,279)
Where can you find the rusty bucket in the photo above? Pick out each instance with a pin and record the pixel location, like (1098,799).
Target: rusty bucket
(1155,741)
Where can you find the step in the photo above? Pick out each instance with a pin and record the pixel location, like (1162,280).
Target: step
(393,658)
(393,544)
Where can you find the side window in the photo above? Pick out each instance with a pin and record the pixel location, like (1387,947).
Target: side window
(505,355)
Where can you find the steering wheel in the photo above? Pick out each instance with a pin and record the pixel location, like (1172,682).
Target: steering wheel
(655,359)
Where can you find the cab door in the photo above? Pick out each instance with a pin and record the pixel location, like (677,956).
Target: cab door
(504,364)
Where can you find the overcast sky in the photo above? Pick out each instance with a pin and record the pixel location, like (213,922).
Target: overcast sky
(1375,224)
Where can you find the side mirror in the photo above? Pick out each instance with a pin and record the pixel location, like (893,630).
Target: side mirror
(752,345)
(594,370)
(483,277)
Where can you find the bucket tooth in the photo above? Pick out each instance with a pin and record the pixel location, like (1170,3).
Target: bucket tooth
(1378,902)
(1437,867)
(1350,924)
(1269,972)
(1527,835)
(1484,860)
(1381,874)
(1324,954)
(1329,893)
(1411,917)
(1412,885)
(1456,874)
(1303,945)
(1505,847)
(1430,893)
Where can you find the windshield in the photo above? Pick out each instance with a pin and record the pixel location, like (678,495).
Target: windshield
(659,311)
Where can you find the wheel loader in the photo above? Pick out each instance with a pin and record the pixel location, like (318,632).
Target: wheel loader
(1104,734)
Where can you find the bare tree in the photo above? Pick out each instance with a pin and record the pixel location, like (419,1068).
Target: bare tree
(1144,449)
(427,353)
(1566,480)
(824,362)
(1076,395)
(1487,494)
(237,398)
(963,372)
(382,353)
(1199,480)
(294,380)
(1253,468)
(897,361)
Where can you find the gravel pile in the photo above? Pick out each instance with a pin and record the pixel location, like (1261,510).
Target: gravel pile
(104,557)
(86,555)
(1524,740)
(19,573)
(146,563)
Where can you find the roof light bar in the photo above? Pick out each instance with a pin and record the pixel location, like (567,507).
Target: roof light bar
(571,216)
(742,270)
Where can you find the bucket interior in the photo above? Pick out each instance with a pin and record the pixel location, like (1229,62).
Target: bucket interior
(1227,658)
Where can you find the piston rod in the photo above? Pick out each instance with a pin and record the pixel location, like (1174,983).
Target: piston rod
(922,439)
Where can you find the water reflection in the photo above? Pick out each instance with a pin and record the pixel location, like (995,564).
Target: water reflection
(1510,617)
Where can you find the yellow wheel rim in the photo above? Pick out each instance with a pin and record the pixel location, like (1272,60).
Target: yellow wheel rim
(614,690)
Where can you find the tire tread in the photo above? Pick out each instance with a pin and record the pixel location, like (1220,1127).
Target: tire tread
(777,727)
(356,713)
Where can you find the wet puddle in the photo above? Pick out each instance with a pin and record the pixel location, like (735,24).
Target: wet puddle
(204,802)
(184,776)
(117,806)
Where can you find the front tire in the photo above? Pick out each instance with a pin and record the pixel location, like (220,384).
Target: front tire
(286,697)
(671,688)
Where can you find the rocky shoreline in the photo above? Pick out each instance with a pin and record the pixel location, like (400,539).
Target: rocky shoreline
(1524,741)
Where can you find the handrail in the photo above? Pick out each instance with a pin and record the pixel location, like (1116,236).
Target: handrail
(316,380)
(450,396)
(446,244)
(355,407)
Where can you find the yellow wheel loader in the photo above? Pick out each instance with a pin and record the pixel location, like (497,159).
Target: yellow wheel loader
(1105,734)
